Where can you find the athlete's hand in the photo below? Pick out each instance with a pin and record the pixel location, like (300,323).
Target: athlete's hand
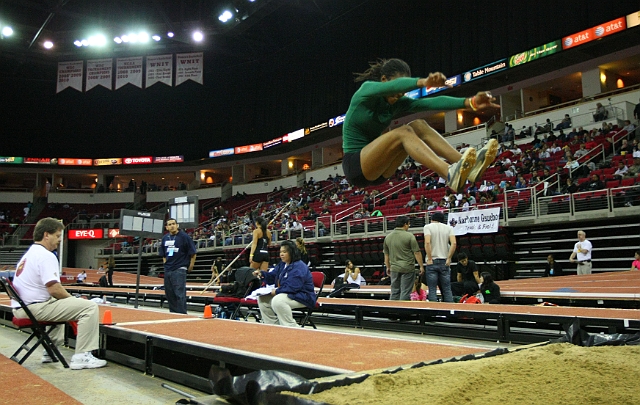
(434,80)
(484,99)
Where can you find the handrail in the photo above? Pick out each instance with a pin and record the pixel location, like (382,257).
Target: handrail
(244,206)
(275,193)
(347,212)
(384,193)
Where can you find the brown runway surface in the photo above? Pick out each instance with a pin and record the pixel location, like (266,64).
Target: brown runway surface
(305,345)
(619,285)
(603,313)
(21,386)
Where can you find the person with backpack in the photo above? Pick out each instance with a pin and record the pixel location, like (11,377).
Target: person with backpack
(293,287)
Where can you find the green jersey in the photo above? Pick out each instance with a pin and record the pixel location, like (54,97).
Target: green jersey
(369,113)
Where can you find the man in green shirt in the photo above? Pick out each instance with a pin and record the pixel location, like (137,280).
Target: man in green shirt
(401,250)
(370,156)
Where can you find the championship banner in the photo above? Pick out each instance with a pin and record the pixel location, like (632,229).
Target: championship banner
(159,70)
(99,73)
(129,70)
(70,75)
(189,66)
(477,221)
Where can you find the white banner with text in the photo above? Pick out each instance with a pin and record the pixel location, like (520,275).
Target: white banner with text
(189,66)
(70,75)
(476,221)
(129,71)
(159,70)
(99,73)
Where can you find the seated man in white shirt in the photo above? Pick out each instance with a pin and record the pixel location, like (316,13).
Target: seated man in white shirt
(628,126)
(621,171)
(37,281)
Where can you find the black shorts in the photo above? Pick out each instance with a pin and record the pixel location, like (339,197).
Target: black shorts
(260,257)
(353,171)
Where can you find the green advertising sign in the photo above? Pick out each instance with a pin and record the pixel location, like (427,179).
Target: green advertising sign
(10,159)
(535,53)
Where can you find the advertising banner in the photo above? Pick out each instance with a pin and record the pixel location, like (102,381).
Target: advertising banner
(414,94)
(189,66)
(315,128)
(256,147)
(535,53)
(477,221)
(168,159)
(40,161)
(114,233)
(99,73)
(336,121)
(633,19)
(485,70)
(75,162)
(70,75)
(142,160)
(292,136)
(221,152)
(591,34)
(273,142)
(107,162)
(129,71)
(11,159)
(86,233)
(159,70)
(452,81)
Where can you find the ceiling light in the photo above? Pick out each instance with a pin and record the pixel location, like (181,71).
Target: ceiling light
(155,37)
(170,34)
(198,36)
(7,31)
(117,40)
(143,37)
(77,43)
(225,16)
(48,44)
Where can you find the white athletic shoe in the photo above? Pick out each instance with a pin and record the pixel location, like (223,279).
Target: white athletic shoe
(484,158)
(459,171)
(45,357)
(86,360)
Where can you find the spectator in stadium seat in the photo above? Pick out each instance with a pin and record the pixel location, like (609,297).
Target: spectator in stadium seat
(371,156)
(553,268)
(564,124)
(467,277)
(582,252)
(594,184)
(634,169)
(601,113)
(489,289)
(439,244)
(178,255)
(571,164)
(37,281)
(581,152)
(621,171)
(570,186)
(293,288)
(81,277)
(625,148)
(628,126)
(401,251)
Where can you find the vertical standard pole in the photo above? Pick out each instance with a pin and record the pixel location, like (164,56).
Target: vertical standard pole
(138,271)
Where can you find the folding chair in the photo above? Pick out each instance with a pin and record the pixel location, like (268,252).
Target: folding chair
(318,282)
(231,304)
(39,330)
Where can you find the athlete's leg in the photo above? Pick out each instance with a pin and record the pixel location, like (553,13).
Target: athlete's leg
(381,156)
(435,141)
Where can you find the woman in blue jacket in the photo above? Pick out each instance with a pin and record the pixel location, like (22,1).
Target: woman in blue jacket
(294,288)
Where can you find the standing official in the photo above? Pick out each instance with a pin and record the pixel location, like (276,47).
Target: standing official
(401,250)
(178,254)
(439,244)
(582,250)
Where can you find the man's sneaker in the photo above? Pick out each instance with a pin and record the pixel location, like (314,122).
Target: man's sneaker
(484,158)
(45,357)
(86,360)
(459,171)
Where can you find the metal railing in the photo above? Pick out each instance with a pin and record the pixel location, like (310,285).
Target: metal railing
(244,207)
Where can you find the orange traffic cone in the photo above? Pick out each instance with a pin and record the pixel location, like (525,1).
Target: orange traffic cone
(207,312)
(106,318)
